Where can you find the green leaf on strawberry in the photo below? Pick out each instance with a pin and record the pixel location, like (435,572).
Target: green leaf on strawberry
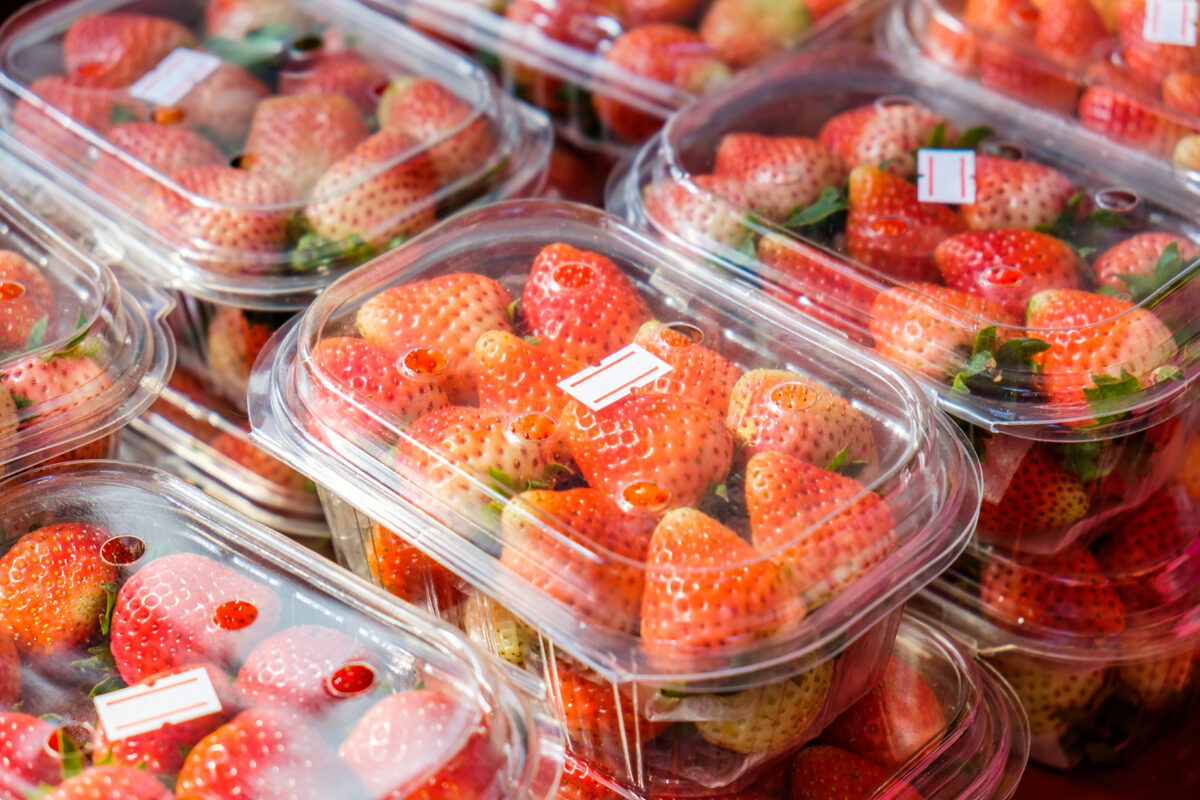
(314,252)
(120,114)
(1084,460)
(110,601)
(971,137)
(259,50)
(1002,371)
(831,201)
(37,334)
(1108,388)
(937,137)
(1168,265)
(842,465)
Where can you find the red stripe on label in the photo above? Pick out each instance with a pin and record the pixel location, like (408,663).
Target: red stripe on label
(626,385)
(586,378)
(155,690)
(172,712)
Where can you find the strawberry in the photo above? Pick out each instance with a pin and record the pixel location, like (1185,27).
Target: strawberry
(650,452)
(896,718)
(8,428)
(883,135)
(822,772)
(53,589)
(1150,61)
(1003,19)
(950,44)
(930,329)
(697,372)
(111,782)
(1072,33)
(307,670)
(423,744)
(1188,474)
(1159,683)
(597,718)
(1017,72)
(572,175)
(1007,266)
(264,753)
(55,384)
(10,671)
(1041,496)
(889,229)
(114,50)
(404,571)
(771,718)
(662,53)
(1052,694)
(790,502)
(186,609)
(1015,194)
(298,138)
(234,338)
(741,598)
(1111,106)
(708,210)
(497,630)
(447,313)
(25,298)
(221,106)
(516,377)
(1186,153)
(1132,266)
(239,450)
(581,781)
(782,173)
(461,139)
(546,535)
(377,192)
(1181,91)
(90,107)
(1092,337)
(644,13)
(143,152)
(233,19)
(1063,592)
(745,32)
(26,762)
(239,225)
(344,72)
(1140,553)
(581,303)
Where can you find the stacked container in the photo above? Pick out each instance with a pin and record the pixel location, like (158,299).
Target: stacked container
(682,658)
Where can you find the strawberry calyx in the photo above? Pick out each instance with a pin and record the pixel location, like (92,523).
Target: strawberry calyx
(842,465)
(831,201)
(1005,371)
(1166,268)
(967,140)
(261,50)
(1085,460)
(1072,224)
(120,115)
(314,251)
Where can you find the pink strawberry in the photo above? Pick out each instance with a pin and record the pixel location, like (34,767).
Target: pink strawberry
(234,338)
(550,538)
(233,19)
(1119,267)
(238,226)
(889,229)
(307,669)
(822,772)
(516,377)
(1041,496)
(650,452)
(1181,91)
(26,762)
(1072,33)
(111,782)
(114,50)
(1004,19)
(708,592)
(1142,554)
(789,501)
(344,72)
(54,385)
(25,298)
(53,589)
(1021,74)
(745,32)
(643,13)
(951,44)
(460,138)
(45,130)
(222,105)
(1047,595)
(773,409)
(185,610)
(781,172)
(448,314)
(708,211)
(1007,267)
(145,151)
(1112,105)
(1150,61)
(298,138)
(581,303)
(883,135)
(10,671)
(698,373)
(1015,194)
(280,476)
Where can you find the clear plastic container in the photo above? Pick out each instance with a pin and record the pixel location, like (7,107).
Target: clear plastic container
(943,291)
(250,163)
(609,73)
(79,356)
(645,488)
(277,672)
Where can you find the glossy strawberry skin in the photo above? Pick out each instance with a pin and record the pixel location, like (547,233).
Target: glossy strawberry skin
(431,114)
(883,136)
(1138,255)
(93,108)
(697,372)
(1041,496)
(516,377)
(1071,32)
(10,671)
(1150,61)
(25,298)
(783,173)
(164,149)
(221,106)
(708,210)
(1015,194)
(343,72)
(406,572)
(1061,593)
(25,760)
(234,338)
(822,772)
(111,781)
(745,32)
(1181,91)
(1119,114)
(114,50)
(598,720)
(1142,551)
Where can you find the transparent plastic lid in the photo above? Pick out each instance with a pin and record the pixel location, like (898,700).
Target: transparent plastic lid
(1050,296)
(79,356)
(253,156)
(227,661)
(647,527)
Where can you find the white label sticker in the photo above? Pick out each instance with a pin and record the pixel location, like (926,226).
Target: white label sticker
(615,377)
(946,176)
(1171,22)
(143,708)
(175,76)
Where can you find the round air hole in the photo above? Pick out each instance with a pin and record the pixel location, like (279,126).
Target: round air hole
(646,496)
(424,362)
(122,551)
(680,334)
(234,615)
(351,680)
(1118,199)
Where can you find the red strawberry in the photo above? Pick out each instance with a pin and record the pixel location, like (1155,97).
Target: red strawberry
(111,782)
(1016,72)
(781,172)
(1004,19)
(708,210)
(773,409)
(423,744)
(1041,496)
(233,19)
(662,53)
(222,105)
(10,671)
(830,773)
(447,313)
(581,781)
(1072,33)
(745,32)
(344,72)
(26,762)
(889,229)
(930,329)
(572,175)
(598,720)
(1015,194)
(25,298)
(307,669)
(264,753)
(950,44)
(546,535)
(90,107)
(1150,61)
(1142,553)
(185,610)
(643,13)
(298,138)
(1007,267)
(697,372)
(1093,334)
(234,339)
(1047,595)
(1181,91)
(239,225)
(883,135)
(1118,267)
(897,717)
(8,428)
(1111,106)
(404,571)
(115,50)
(373,195)
(52,589)
(581,303)
(706,589)
(788,501)
(1188,474)
(516,377)
(460,138)
(145,151)
(239,450)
